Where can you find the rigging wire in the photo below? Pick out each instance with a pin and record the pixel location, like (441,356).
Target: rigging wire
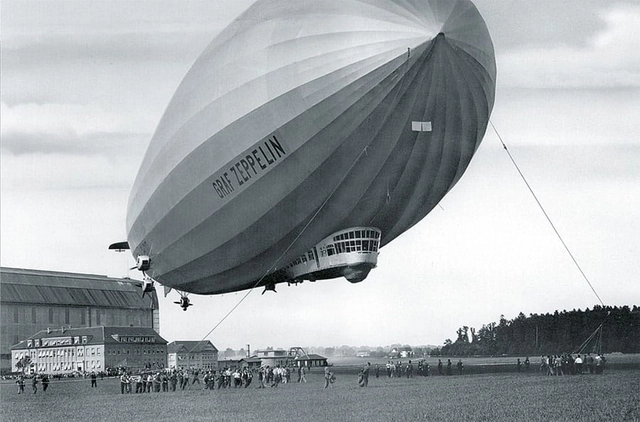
(545,214)
(597,331)
(404,65)
(284,252)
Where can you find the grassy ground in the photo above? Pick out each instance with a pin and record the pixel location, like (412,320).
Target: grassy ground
(614,396)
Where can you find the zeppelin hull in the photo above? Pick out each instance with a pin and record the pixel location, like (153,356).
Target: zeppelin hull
(337,114)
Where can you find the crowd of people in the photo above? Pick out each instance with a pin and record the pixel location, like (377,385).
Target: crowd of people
(422,368)
(566,364)
(179,379)
(43,379)
(399,369)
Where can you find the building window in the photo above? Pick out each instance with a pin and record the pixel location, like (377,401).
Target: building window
(83,317)
(33,315)
(51,315)
(15,314)
(98,316)
(66,315)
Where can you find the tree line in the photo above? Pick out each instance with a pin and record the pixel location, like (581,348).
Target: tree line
(602,329)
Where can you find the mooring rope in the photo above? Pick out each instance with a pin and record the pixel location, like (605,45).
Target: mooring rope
(546,215)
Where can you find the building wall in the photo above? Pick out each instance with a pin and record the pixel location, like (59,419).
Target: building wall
(136,357)
(96,357)
(204,360)
(61,360)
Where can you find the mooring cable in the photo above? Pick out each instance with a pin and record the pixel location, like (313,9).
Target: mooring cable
(545,214)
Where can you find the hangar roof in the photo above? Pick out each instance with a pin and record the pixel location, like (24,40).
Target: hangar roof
(70,289)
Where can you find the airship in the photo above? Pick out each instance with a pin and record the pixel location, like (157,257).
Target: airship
(308,135)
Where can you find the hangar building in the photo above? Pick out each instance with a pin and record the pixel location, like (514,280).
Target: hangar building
(34,300)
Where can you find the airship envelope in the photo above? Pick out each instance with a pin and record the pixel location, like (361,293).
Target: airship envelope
(310,130)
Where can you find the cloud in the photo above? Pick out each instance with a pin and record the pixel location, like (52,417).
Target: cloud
(567,116)
(70,143)
(44,33)
(610,58)
(124,54)
(515,24)
(70,129)
(35,17)
(34,52)
(61,172)
(62,118)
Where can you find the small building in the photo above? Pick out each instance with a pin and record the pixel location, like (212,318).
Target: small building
(295,356)
(250,362)
(229,363)
(192,355)
(272,358)
(310,360)
(401,352)
(363,353)
(90,349)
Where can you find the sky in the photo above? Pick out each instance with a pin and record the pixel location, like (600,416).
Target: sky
(84,85)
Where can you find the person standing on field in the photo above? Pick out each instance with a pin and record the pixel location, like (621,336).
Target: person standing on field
(186,379)
(578,365)
(45,382)
(327,377)
(20,383)
(365,374)
(261,378)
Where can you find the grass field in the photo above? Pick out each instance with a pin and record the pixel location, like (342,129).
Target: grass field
(614,396)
